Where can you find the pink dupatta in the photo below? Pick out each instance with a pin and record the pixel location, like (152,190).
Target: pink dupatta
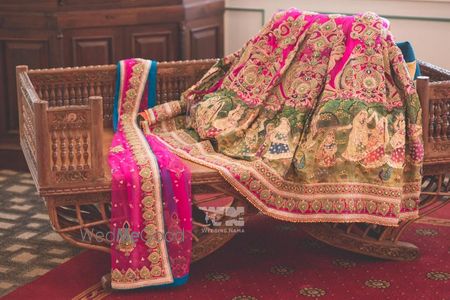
(151,220)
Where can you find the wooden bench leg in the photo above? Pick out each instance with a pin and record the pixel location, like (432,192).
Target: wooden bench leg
(382,241)
(79,219)
(339,238)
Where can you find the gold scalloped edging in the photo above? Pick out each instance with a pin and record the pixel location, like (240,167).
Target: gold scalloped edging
(297,218)
(159,272)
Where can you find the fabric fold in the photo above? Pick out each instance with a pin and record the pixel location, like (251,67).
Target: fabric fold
(151,220)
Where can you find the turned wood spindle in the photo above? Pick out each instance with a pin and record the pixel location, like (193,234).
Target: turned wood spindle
(106,100)
(172,89)
(179,87)
(159,89)
(63,152)
(46,95)
(164,86)
(438,120)
(444,118)
(72,98)
(110,100)
(432,126)
(85,94)
(71,153)
(78,95)
(66,97)
(52,98)
(78,152)
(91,89)
(448,119)
(54,139)
(85,150)
(59,95)
(168,88)
(98,89)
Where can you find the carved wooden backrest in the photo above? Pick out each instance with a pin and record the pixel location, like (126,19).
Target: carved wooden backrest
(63,113)
(438,134)
(436,116)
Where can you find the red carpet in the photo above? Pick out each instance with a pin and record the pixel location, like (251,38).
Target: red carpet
(276,260)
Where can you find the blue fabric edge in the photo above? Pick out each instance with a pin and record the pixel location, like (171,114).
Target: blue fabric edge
(116,100)
(152,83)
(176,282)
(409,55)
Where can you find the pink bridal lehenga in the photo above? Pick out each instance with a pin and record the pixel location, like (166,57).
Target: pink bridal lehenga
(315,119)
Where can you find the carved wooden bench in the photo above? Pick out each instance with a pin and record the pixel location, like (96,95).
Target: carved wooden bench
(65,132)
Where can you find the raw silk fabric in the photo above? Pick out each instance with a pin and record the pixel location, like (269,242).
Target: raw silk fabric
(151,220)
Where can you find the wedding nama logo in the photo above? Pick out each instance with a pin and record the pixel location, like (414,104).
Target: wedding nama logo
(223,219)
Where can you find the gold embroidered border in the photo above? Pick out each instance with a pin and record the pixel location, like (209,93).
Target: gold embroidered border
(162,112)
(204,151)
(383,211)
(160,272)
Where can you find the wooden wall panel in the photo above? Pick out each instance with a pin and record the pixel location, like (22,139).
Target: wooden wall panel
(203,38)
(92,51)
(84,47)
(205,42)
(159,43)
(35,54)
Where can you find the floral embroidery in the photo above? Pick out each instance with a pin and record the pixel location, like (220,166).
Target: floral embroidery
(126,242)
(315,120)
(117,149)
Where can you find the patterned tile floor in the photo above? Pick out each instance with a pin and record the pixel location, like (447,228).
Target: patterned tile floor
(28,246)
